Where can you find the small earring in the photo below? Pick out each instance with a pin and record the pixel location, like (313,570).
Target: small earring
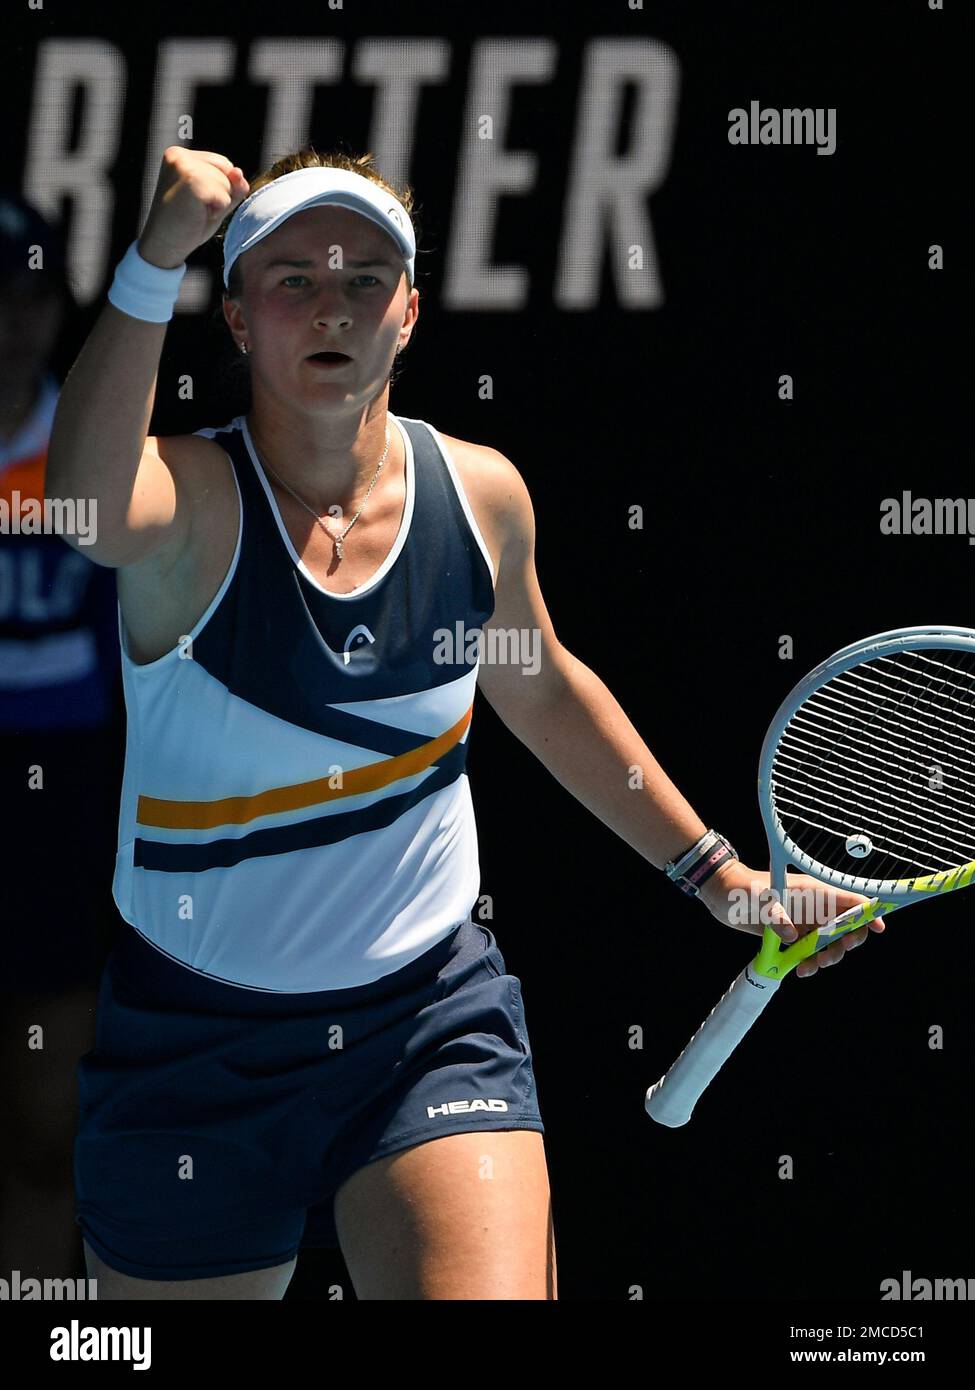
(243,348)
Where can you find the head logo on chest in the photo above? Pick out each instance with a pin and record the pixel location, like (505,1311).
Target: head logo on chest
(359,638)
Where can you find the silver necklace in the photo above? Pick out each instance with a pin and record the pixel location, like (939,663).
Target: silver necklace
(336,540)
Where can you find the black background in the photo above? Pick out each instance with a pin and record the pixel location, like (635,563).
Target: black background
(761,519)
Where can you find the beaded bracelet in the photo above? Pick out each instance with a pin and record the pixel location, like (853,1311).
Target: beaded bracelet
(696,865)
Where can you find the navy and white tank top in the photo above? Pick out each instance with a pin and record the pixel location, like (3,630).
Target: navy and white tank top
(296,814)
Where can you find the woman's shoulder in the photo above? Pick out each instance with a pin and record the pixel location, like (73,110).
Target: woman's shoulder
(482,462)
(206,446)
(200,466)
(494,486)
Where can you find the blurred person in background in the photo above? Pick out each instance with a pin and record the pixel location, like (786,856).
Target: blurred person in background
(58,767)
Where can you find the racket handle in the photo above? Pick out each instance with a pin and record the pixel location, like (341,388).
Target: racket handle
(671,1101)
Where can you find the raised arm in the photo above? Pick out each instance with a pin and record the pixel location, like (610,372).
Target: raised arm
(100,448)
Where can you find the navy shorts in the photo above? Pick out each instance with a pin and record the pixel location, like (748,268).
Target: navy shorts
(212,1118)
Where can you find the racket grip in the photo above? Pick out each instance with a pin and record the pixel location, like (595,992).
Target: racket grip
(672,1099)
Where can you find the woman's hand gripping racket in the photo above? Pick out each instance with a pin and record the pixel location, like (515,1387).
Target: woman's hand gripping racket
(866,782)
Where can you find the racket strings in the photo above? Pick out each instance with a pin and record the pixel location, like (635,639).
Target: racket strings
(957,810)
(953,835)
(909,857)
(901,770)
(922,838)
(932,727)
(874,774)
(939,853)
(929,716)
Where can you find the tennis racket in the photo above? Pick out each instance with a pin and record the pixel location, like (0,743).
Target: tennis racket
(867,782)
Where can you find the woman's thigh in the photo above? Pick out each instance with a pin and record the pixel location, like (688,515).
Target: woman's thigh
(254,1284)
(467,1216)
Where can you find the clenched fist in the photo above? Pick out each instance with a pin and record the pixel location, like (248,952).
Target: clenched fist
(194,192)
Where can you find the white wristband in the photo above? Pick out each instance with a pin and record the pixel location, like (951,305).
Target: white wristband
(145,291)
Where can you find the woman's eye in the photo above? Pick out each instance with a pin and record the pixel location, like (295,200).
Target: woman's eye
(374,278)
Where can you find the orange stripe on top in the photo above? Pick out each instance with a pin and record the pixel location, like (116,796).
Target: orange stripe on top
(238,810)
(26,477)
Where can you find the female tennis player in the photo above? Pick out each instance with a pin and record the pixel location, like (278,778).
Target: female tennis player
(304,1011)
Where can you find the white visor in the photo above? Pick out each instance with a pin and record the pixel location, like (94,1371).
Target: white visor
(264,211)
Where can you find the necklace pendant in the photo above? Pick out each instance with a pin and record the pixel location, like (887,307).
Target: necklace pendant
(338,548)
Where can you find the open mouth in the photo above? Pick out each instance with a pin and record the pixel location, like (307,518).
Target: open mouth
(330,359)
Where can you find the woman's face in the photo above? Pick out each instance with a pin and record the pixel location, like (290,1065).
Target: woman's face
(327,279)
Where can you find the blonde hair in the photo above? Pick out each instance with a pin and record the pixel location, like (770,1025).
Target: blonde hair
(310,158)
